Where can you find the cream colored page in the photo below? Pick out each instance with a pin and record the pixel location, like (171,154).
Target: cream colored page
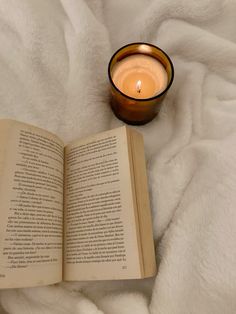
(31,194)
(100,232)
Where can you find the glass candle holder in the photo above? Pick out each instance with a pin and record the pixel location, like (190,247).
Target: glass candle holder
(140,75)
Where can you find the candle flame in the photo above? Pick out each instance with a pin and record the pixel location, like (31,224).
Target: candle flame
(138,86)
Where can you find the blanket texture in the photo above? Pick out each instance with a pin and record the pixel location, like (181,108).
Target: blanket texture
(53,64)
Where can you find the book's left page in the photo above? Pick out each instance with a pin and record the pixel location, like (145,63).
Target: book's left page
(31,205)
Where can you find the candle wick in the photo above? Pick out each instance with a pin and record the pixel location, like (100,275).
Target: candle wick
(138,86)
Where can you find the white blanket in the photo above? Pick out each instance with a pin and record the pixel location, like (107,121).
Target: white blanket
(53,65)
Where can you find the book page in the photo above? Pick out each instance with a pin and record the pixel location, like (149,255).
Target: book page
(31,208)
(101,240)
(143,204)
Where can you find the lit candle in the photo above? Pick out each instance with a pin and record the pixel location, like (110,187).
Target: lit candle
(140,75)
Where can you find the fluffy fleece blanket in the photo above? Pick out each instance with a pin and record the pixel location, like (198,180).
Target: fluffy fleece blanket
(53,65)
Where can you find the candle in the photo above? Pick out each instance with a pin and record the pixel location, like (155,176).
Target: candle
(140,75)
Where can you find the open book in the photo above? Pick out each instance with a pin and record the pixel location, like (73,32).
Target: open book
(74,212)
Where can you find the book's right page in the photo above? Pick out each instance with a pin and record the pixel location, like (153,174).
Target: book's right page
(101,238)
